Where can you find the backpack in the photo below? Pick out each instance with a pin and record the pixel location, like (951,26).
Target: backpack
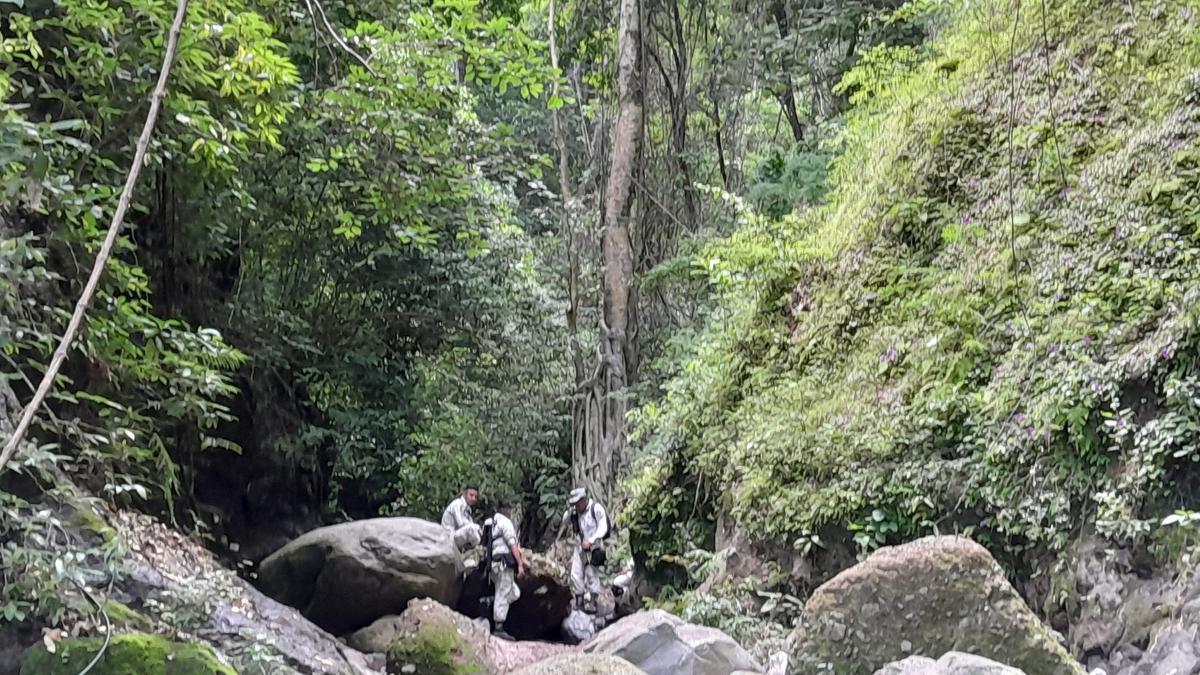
(486,539)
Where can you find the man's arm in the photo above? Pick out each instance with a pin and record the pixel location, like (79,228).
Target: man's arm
(516,552)
(510,538)
(562,525)
(601,523)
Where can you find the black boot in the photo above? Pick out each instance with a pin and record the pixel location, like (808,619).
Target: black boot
(501,633)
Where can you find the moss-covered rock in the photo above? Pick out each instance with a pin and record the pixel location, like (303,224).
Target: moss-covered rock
(929,597)
(133,654)
(85,517)
(436,650)
(432,639)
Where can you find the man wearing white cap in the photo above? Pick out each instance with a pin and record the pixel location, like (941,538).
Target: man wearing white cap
(590,522)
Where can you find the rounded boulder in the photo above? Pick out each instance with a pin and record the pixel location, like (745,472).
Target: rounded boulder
(931,596)
(345,576)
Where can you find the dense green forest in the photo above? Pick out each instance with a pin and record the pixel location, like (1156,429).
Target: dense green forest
(786,279)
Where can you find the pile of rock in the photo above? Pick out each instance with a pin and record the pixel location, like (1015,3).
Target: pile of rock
(431,638)
(936,606)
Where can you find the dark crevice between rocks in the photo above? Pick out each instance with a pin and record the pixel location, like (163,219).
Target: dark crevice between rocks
(537,615)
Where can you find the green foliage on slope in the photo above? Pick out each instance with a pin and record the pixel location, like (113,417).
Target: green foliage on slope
(989,324)
(323,262)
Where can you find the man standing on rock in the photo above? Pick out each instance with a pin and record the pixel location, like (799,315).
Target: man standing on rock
(457,519)
(590,522)
(507,566)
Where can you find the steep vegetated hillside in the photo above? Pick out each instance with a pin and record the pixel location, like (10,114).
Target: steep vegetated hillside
(987,327)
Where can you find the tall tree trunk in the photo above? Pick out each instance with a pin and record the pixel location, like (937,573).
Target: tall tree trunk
(679,117)
(787,95)
(600,425)
(566,226)
(717,137)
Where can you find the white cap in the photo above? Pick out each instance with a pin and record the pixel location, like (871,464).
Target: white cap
(576,495)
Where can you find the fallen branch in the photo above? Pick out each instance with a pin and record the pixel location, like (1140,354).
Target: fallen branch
(114,228)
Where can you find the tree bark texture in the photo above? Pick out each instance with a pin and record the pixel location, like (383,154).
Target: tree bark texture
(600,434)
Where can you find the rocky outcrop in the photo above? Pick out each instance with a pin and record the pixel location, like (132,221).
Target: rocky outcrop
(430,637)
(930,596)
(952,663)
(168,583)
(660,643)
(304,647)
(133,654)
(582,664)
(1126,623)
(343,577)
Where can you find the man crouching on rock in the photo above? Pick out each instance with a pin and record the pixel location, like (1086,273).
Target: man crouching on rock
(457,519)
(507,566)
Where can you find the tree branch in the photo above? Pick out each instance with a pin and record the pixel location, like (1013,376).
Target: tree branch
(337,36)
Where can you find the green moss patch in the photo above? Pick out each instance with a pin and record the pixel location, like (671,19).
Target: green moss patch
(133,654)
(433,650)
(123,615)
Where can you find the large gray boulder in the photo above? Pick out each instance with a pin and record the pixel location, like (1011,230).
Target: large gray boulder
(952,663)
(663,644)
(582,664)
(343,577)
(930,596)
